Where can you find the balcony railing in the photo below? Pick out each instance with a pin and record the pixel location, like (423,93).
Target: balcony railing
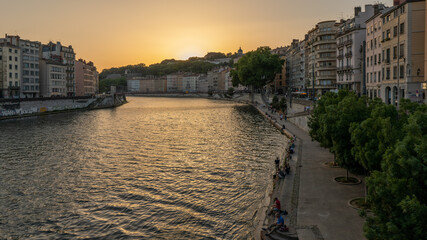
(349,54)
(348,42)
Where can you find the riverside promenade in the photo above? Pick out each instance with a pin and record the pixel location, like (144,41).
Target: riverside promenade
(319,204)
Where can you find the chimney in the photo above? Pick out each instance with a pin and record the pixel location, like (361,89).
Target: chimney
(357,10)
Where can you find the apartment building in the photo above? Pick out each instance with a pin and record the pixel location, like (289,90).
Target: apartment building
(424,85)
(87,78)
(321,52)
(403,42)
(30,55)
(189,83)
(174,82)
(10,70)
(148,84)
(53,82)
(67,56)
(295,66)
(374,53)
(351,37)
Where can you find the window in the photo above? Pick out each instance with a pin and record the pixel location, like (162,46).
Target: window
(387,72)
(394,31)
(402,71)
(394,52)
(402,28)
(10,66)
(394,72)
(10,75)
(16,59)
(401,50)
(382,73)
(16,67)
(10,50)
(10,58)
(16,51)
(379,76)
(387,60)
(367,61)
(375,59)
(388,34)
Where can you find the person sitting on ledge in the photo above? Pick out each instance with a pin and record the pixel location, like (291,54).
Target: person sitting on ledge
(281,173)
(280,224)
(287,168)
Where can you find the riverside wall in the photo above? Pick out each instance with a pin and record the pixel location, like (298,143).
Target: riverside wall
(17,108)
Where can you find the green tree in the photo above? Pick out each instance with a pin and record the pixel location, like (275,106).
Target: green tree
(105,84)
(352,109)
(397,194)
(257,68)
(275,102)
(230,92)
(283,105)
(323,120)
(372,137)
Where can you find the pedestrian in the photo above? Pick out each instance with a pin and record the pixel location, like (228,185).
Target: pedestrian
(277,162)
(281,117)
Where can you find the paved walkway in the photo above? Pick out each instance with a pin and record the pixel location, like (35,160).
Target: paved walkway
(322,204)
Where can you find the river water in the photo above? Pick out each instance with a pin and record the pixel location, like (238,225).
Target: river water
(155,168)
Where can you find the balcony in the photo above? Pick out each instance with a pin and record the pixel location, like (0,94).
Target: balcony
(341,56)
(349,54)
(13,88)
(348,42)
(340,44)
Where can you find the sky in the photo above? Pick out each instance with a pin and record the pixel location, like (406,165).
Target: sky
(114,33)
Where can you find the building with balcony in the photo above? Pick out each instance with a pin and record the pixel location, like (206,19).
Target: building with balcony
(53,82)
(174,82)
(189,83)
(351,37)
(424,84)
(295,66)
(373,51)
(403,41)
(10,70)
(320,52)
(87,78)
(29,55)
(56,51)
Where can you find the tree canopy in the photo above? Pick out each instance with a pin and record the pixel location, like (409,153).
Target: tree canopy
(390,144)
(167,66)
(398,193)
(256,68)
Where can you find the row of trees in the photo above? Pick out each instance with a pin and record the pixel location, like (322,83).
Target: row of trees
(169,66)
(387,144)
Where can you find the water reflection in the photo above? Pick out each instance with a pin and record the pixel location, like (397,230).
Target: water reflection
(153,168)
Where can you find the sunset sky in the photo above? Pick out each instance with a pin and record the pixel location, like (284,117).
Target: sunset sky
(114,33)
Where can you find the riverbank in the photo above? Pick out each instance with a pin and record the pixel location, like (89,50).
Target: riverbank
(319,206)
(21,108)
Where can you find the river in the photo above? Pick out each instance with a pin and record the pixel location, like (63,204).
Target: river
(154,168)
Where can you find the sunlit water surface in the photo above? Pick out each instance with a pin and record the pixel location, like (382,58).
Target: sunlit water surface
(155,168)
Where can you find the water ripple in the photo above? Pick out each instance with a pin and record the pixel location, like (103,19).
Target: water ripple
(155,168)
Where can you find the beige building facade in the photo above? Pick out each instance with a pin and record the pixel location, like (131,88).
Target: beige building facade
(87,78)
(10,70)
(53,82)
(321,49)
(403,45)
